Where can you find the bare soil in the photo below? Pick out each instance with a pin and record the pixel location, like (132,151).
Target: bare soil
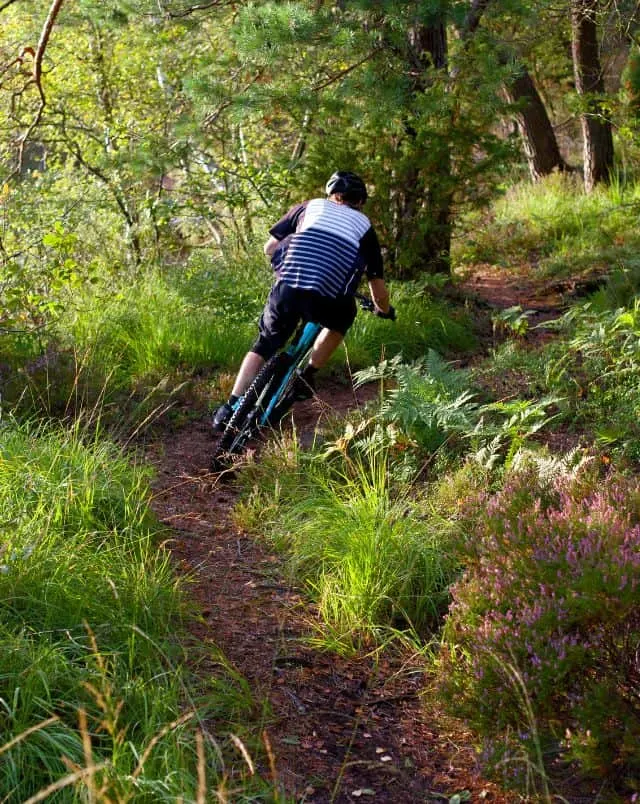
(338,729)
(334,729)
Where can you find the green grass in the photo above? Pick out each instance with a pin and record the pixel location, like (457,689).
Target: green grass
(369,553)
(204,318)
(130,337)
(556,229)
(132,344)
(197,318)
(89,611)
(423,323)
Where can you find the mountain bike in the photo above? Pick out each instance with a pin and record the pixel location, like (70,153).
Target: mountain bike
(271,394)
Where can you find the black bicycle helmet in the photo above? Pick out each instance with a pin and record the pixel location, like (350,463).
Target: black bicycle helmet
(349,185)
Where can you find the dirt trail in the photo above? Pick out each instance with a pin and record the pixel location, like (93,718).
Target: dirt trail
(498,288)
(340,730)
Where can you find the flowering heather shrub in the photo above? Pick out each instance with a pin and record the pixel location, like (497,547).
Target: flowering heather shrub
(552,592)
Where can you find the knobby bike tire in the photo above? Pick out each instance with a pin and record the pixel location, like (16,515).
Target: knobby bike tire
(243,423)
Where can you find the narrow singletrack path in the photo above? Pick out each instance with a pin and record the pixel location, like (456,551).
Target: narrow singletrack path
(339,730)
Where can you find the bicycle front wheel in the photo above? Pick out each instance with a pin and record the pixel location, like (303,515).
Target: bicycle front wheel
(245,421)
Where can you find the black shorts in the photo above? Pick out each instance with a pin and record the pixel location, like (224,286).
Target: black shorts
(287,306)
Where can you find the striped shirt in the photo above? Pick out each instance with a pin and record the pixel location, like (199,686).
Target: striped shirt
(329,247)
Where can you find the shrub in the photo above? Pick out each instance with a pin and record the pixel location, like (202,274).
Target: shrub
(428,400)
(550,597)
(373,557)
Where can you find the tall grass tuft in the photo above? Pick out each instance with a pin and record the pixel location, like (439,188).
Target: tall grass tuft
(423,322)
(92,684)
(372,558)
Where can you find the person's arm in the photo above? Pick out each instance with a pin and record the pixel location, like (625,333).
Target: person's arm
(271,245)
(284,227)
(379,294)
(370,250)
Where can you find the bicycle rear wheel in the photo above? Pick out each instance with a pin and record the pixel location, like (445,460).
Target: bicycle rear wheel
(245,421)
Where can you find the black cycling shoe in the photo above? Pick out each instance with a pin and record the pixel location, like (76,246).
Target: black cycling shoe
(304,387)
(221,417)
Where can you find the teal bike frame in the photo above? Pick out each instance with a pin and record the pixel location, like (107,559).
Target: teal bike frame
(296,351)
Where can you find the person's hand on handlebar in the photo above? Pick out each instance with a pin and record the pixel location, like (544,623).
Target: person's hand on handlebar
(390,314)
(380,297)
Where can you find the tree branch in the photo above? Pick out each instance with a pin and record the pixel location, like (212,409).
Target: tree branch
(332,79)
(117,195)
(198,7)
(36,78)
(7,4)
(212,117)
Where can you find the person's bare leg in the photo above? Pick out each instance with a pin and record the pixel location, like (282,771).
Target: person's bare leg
(325,345)
(249,367)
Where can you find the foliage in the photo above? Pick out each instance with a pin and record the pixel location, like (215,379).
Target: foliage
(434,405)
(171,138)
(557,228)
(123,171)
(167,321)
(187,131)
(438,144)
(373,558)
(550,591)
(89,610)
(599,369)
(514,320)
(590,367)
(431,401)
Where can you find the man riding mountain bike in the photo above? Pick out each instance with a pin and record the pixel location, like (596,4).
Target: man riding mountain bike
(320,250)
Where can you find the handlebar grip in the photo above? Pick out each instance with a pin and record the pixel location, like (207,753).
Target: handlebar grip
(391,315)
(365,303)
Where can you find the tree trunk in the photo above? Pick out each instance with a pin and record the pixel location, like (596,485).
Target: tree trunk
(596,128)
(538,137)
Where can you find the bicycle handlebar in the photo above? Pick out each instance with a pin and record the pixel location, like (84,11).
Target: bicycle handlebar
(367,304)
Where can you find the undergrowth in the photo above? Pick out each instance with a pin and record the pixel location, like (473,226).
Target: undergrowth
(95,696)
(555,229)
(591,368)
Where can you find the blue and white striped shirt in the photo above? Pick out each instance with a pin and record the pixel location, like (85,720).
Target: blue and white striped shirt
(330,246)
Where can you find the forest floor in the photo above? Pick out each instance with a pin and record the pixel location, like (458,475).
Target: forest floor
(334,729)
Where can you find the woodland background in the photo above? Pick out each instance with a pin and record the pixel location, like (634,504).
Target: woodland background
(146,146)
